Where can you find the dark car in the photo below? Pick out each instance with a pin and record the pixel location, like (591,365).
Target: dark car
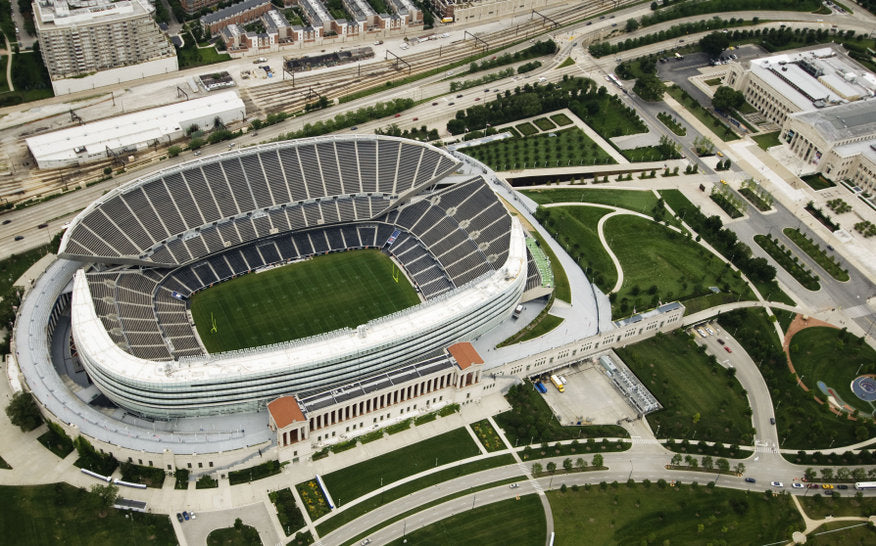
(750,480)
(6,221)
(459,96)
(179,517)
(721,341)
(186,516)
(41,226)
(772,420)
(842,486)
(19,237)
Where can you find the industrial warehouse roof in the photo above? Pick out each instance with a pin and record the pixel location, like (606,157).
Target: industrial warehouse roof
(130,129)
(841,123)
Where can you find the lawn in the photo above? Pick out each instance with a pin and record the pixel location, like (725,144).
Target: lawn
(256,472)
(820,507)
(234,536)
(487,436)
(662,265)
(636,200)
(817,182)
(147,475)
(801,422)
(843,533)
(788,261)
(705,116)
(575,228)
(62,514)
(287,510)
(767,140)
(544,124)
(561,119)
(510,521)
(57,444)
(320,295)
(835,357)
(559,149)
(353,512)
(681,515)
(784,317)
(649,153)
(354,481)
(525,129)
(700,398)
(191,55)
(548,323)
(530,420)
(822,258)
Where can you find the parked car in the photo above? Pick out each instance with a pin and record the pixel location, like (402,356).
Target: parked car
(514,485)
(726,348)
(797,485)
(179,517)
(772,420)
(186,516)
(721,341)
(842,486)
(826,486)
(777,484)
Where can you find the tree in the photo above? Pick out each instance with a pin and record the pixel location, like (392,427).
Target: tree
(826,474)
(809,474)
(708,464)
(552,467)
(715,43)
(536,468)
(23,411)
(597,460)
(106,493)
(238,524)
(740,468)
(676,459)
(727,98)
(174,151)
(580,463)
(196,143)
(632,25)
(649,87)
(567,464)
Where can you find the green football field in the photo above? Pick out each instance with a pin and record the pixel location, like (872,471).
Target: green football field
(299,300)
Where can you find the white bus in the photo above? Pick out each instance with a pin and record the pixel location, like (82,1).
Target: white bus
(865,485)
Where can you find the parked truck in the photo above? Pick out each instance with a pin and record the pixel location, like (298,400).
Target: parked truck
(539,386)
(557,383)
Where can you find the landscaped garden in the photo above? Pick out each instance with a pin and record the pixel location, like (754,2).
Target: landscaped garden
(827,262)
(802,423)
(708,119)
(646,513)
(767,140)
(834,357)
(817,181)
(487,435)
(701,400)
(788,261)
(574,227)
(635,200)
(559,149)
(287,510)
(672,122)
(354,481)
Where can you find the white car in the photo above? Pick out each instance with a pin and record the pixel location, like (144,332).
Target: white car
(797,485)
(777,484)
(514,486)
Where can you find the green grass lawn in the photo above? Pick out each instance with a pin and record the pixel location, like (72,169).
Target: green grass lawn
(561,119)
(648,153)
(698,395)
(817,182)
(354,481)
(230,536)
(190,56)
(684,515)
(575,228)
(636,200)
(801,422)
(329,292)
(662,265)
(62,514)
(834,357)
(544,124)
(548,323)
(785,318)
(287,510)
(59,445)
(353,512)
(505,522)
(767,140)
(843,533)
(709,120)
(567,147)
(525,129)
(819,507)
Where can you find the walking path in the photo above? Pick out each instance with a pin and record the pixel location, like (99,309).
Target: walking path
(9,65)
(811,524)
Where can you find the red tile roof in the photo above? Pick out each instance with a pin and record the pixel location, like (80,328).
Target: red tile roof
(285,411)
(465,354)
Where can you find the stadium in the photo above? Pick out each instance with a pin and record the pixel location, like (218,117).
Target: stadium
(149,250)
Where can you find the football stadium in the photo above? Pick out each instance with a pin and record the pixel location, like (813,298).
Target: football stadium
(221,284)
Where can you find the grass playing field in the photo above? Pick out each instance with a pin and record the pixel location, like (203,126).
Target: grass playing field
(300,300)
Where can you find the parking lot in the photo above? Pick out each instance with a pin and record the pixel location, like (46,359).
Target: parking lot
(589,397)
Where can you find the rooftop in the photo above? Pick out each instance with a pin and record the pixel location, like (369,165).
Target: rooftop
(844,122)
(815,78)
(285,411)
(465,354)
(73,12)
(130,129)
(232,10)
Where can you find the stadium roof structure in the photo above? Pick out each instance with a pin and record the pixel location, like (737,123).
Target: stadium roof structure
(298,199)
(131,130)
